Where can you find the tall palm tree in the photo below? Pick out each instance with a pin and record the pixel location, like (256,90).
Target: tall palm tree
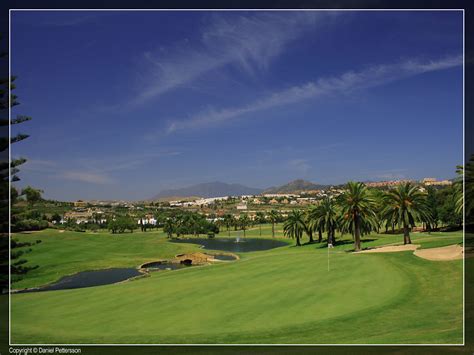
(358,211)
(308,225)
(405,205)
(294,226)
(228,222)
(274,218)
(260,218)
(378,196)
(324,217)
(465,199)
(244,222)
(315,223)
(168,227)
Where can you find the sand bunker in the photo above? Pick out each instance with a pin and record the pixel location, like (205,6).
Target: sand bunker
(391,249)
(451,252)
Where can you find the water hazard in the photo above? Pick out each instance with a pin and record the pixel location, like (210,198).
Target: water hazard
(89,279)
(160,265)
(232,245)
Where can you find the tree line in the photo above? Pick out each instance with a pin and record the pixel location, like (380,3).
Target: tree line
(360,211)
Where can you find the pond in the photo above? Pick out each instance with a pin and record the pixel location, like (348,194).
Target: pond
(160,265)
(110,276)
(89,279)
(234,245)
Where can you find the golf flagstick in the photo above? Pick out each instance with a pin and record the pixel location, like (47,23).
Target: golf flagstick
(329,246)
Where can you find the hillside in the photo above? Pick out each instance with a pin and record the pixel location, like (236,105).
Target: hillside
(295,186)
(210,189)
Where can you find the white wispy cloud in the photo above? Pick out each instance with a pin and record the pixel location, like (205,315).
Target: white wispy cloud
(251,41)
(94,170)
(89,177)
(39,165)
(344,84)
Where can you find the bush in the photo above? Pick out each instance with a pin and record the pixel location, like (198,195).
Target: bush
(121,224)
(93,227)
(29,225)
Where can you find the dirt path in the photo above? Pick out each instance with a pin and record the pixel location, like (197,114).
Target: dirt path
(451,252)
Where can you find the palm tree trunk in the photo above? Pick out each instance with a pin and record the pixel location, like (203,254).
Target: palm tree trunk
(406,234)
(356,234)
(298,244)
(273,229)
(320,235)
(260,225)
(310,235)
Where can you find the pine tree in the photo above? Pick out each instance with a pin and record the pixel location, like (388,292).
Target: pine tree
(7,195)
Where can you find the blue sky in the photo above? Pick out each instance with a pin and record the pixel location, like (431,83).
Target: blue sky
(125,104)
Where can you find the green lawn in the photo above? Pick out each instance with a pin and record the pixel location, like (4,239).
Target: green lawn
(284,295)
(61,254)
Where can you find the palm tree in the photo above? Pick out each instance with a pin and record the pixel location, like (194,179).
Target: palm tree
(324,217)
(465,199)
(358,211)
(378,196)
(228,222)
(308,225)
(315,223)
(274,218)
(168,227)
(260,218)
(404,206)
(180,222)
(432,203)
(294,226)
(244,222)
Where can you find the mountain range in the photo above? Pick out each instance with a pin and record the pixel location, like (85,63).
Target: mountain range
(295,186)
(217,189)
(209,189)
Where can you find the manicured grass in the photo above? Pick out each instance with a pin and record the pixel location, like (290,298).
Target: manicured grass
(66,253)
(284,295)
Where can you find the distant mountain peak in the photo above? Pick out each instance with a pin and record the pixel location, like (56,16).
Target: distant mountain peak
(295,186)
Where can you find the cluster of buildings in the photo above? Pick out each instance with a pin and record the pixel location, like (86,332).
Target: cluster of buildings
(90,215)
(84,215)
(199,202)
(148,219)
(434,182)
(425,182)
(388,183)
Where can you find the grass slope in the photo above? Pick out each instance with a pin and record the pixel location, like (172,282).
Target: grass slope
(284,295)
(61,254)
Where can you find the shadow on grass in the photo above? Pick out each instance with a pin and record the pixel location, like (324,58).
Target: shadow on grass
(337,243)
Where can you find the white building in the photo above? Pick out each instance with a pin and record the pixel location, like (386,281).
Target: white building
(148,220)
(280,195)
(242,206)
